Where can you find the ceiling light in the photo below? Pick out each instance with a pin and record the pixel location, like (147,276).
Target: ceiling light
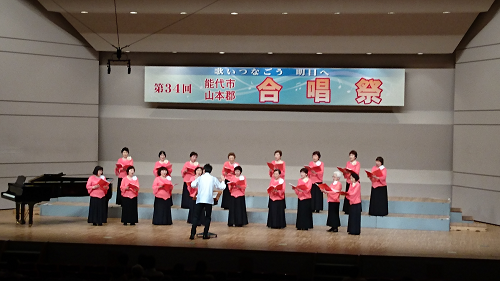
(133,13)
(284,13)
(446,12)
(420,53)
(319,53)
(269,53)
(84,12)
(221,53)
(368,53)
(174,52)
(183,13)
(337,13)
(234,13)
(127,51)
(391,13)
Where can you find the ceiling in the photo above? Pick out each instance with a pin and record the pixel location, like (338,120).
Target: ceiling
(277,26)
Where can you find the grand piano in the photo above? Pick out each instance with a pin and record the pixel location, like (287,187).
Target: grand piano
(43,188)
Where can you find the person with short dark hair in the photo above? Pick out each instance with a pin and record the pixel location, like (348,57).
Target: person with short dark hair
(228,173)
(163,162)
(304,210)
(333,220)
(354,197)
(130,189)
(205,184)
(317,178)
(162,189)
(238,210)
(276,216)
(187,173)
(355,166)
(98,202)
(278,162)
(121,171)
(379,203)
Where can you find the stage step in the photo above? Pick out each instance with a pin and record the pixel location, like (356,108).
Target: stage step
(456,216)
(259,215)
(259,200)
(474,226)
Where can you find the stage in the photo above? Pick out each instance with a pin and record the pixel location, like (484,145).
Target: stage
(255,244)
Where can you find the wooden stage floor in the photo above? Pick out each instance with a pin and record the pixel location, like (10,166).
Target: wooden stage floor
(378,242)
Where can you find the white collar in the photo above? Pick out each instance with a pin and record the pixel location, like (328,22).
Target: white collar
(334,183)
(318,163)
(381,167)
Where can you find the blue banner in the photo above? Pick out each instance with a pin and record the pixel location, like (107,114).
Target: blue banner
(278,86)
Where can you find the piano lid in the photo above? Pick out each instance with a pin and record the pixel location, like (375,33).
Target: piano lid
(48,177)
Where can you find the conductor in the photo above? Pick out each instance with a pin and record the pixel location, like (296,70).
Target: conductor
(204,200)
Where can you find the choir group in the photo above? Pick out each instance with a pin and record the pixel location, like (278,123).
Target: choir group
(309,189)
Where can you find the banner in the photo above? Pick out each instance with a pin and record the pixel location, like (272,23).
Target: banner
(275,86)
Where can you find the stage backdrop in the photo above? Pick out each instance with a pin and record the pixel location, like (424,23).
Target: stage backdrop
(283,86)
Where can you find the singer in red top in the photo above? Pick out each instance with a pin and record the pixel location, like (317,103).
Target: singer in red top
(355,166)
(187,173)
(192,193)
(276,191)
(333,220)
(162,189)
(121,171)
(277,163)
(228,173)
(304,210)
(130,189)
(97,187)
(354,196)
(238,209)
(316,176)
(379,205)
(163,162)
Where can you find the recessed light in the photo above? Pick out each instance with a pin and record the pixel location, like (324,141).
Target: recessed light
(420,53)
(284,13)
(234,13)
(391,13)
(368,53)
(221,53)
(174,52)
(133,13)
(84,12)
(337,13)
(446,12)
(183,13)
(319,53)
(269,53)
(127,51)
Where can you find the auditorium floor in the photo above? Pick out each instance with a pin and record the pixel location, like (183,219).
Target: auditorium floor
(385,242)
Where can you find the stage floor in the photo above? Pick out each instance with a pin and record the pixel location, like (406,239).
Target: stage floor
(378,242)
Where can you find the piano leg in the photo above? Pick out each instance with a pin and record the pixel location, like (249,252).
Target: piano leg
(23,210)
(18,207)
(30,207)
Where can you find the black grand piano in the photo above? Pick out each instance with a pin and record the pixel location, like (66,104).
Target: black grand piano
(43,188)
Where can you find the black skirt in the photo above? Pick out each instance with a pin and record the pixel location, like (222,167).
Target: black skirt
(379,205)
(333,214)
(186,198)
(276,215)
(119,192)
(129,210)
(162,214)
(226,198)
(354,222)
(191,213)
(316,198)
(237,212)
(97,210)
(304,214)
(347,205)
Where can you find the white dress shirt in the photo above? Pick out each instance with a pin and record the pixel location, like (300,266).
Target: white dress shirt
(206,184)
